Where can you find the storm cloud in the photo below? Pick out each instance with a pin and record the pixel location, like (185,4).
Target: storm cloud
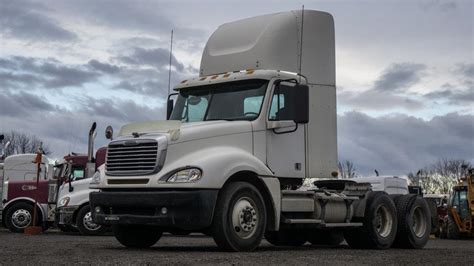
(399,77)
(22,104)
(32,73)
(158,58)
(376,100)
(398,144)
(26,20)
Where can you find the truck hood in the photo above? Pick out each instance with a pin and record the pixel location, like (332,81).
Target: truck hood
(181,132)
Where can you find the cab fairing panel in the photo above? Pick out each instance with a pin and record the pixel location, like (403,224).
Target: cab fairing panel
(321,132)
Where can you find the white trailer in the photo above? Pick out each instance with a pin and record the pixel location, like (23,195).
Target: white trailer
(259,119)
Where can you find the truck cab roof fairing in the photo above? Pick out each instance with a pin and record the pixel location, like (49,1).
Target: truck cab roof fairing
(252,44)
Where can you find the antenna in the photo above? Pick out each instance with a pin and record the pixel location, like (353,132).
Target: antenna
(169,70)
(301,43)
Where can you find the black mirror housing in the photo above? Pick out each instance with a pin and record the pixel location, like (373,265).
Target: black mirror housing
(109,132)
(169,108)
(302,103)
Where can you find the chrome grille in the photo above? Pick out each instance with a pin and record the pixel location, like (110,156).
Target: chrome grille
(132,157)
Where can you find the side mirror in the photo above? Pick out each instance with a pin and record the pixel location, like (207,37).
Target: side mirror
(109,133)
(169,108)
(170,105)
(301,98)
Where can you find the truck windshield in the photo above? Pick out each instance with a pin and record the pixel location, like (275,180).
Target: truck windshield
(238,100)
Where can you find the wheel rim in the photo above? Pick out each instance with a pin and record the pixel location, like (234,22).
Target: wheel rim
(383,221)
(245,218)
(21,218)
(419,222)
(89,223)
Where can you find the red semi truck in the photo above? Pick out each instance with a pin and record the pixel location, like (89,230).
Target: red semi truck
(57,182)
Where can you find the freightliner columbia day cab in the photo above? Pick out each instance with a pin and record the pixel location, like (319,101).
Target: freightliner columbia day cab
(259,119)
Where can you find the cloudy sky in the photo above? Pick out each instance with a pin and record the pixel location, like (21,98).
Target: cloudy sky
(405,70)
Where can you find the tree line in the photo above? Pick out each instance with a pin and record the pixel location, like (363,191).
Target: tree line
(436,178)
(21,143)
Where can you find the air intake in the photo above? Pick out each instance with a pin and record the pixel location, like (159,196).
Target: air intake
(132,157)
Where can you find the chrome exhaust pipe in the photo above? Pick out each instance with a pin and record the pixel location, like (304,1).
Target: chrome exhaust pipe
(90,166)
(90,146)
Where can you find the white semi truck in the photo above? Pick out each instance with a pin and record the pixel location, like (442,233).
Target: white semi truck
(259,119)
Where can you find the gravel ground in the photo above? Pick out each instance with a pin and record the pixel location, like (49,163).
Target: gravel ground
(55,247)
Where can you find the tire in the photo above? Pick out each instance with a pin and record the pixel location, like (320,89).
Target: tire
(19,216)
(452,231)
(434,216)
(86,225)
(414,222)
(329,238)
(379,224)
(286,238)
(239,218)
(136,236)
(443,229)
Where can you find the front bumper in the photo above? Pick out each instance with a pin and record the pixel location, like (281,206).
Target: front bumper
(182,209)
(65,215)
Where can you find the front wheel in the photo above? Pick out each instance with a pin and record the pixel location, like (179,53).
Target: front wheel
(136,236)
(20,216)
(240,218)
(86,225)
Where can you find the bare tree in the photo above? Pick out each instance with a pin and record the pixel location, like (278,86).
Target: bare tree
(346,169)
(22,143)
(441,176)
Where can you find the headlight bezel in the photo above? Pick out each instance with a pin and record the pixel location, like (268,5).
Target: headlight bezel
(188,174)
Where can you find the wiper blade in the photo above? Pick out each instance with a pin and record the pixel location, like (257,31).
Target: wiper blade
(217,119)
(228,119)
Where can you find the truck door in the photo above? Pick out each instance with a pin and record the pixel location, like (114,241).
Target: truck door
(285,138)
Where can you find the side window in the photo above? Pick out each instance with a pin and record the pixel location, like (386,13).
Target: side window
(281,107)
(77,174)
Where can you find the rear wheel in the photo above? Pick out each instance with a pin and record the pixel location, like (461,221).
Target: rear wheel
(86,225)
(434,216)
(240,218)
(379,224)
(414,222)
(20,216)
(136,236)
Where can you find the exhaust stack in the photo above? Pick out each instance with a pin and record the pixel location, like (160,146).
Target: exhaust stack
(90,167)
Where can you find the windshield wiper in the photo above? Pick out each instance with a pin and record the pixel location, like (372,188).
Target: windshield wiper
(216,119)
(229,119)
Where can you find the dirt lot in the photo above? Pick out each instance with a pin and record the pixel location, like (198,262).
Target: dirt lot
(54,247)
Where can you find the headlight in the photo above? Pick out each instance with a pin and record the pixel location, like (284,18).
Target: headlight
(95,178)
(185,176)
(64,202)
